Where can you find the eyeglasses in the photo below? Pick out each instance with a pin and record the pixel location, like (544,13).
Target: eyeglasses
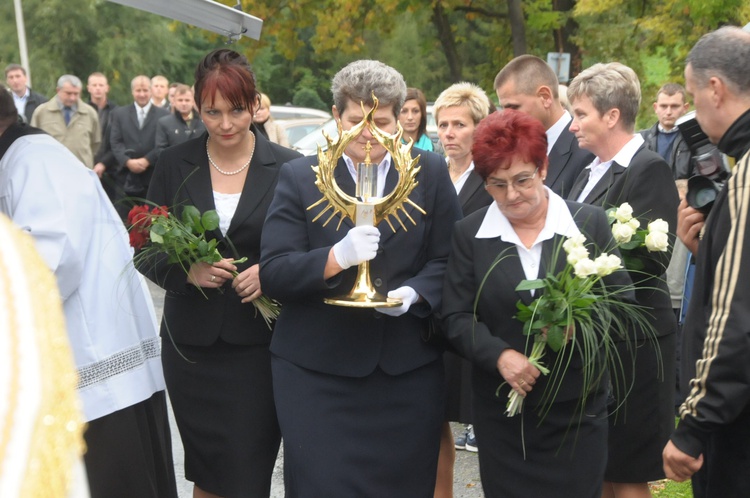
(519,184)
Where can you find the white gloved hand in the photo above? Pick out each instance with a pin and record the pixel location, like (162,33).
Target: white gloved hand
(407,295)
(359,245)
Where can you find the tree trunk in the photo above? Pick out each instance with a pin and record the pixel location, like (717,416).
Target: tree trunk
(448,42)
(563,37)
(517,27)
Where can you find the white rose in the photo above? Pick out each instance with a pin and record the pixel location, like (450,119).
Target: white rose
(576,254)
(658,225)
(574,241)
(657,241)
(634,223)
(584,268)
(622,232)
(624,213)
(606,264)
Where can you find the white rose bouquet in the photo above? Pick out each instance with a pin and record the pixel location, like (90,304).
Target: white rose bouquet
(628,234)
(575,312)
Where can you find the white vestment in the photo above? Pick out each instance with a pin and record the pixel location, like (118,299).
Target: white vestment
(108,310)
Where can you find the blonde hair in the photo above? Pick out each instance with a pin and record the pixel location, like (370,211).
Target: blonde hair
(464,94)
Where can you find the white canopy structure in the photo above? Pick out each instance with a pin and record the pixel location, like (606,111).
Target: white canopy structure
(206,14)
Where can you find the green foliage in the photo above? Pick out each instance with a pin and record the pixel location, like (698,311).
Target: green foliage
(306,97)
(304,43)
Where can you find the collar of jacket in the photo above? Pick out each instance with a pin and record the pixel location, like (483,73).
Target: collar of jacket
(736,140)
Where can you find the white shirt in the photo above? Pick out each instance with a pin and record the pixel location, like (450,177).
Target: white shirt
(21,101)
(556,130)
(559,221)
(139,110)
(461,181)
(597,168)
(383,167)
(108,309)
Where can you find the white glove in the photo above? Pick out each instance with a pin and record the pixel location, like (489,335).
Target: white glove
(359,245)
(407,295)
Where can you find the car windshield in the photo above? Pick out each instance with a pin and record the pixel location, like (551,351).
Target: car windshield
(308,144)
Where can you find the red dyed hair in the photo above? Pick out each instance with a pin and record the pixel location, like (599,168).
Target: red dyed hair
(504,136)
(227,72)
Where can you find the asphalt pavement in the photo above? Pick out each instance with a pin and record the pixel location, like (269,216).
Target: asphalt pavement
(466,483)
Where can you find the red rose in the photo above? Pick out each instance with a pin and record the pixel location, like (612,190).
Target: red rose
(138,238)
(160,211)
(139,217)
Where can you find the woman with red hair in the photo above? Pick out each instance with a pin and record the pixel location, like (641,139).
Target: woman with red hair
(215,355)
(561,453)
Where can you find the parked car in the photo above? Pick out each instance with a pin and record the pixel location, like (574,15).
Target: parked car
(280,112)
(297,128)
(308,145)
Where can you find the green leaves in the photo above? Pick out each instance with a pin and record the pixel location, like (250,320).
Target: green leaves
(530,284)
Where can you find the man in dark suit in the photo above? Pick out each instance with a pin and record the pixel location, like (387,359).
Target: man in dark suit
(133,142)
(528,84)
(365,376)
(104,159)
(25,98)
(605,100)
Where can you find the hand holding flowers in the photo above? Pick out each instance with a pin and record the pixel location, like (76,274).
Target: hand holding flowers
(575,313)
(183,240)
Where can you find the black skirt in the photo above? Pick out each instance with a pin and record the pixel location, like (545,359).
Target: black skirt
(222,400)
(640,428)
(458,388)
(376,436)
(561,456)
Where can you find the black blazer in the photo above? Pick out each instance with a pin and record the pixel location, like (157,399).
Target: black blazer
(647,185)
(182,177)
(473,195)
(294,250)
(566,161)
(496,330)
(104,155)
(128,142)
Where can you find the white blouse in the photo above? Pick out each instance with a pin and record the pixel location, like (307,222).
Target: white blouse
(559,221)
(226,205)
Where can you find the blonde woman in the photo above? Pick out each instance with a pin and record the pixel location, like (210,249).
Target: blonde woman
(265,123)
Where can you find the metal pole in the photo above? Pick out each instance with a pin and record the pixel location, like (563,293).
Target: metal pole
(22,40)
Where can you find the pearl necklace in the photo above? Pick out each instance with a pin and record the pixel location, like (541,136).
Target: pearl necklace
(229,173)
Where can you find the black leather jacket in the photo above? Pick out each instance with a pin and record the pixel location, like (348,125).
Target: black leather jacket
(680,157)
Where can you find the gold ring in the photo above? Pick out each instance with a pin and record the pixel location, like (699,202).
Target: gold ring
(213,278)
(521,382)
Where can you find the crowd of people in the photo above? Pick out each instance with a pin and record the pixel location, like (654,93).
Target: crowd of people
(362,398)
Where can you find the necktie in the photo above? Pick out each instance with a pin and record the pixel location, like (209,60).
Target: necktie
(67,111)
(141,117)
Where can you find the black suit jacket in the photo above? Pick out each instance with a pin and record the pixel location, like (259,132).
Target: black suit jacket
(566,161)
(496,330)
(104,155)
(128,141)
(182,177)
(294,250)
(473,195)
(33,101)
(647,185)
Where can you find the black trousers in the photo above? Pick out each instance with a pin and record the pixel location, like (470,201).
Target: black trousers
(726,462)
